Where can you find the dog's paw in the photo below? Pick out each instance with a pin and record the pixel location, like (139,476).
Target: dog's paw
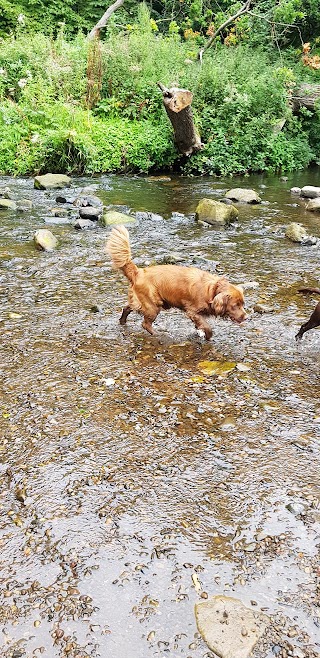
(201,333)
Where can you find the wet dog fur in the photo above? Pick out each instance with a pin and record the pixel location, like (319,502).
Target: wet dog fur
(160,287)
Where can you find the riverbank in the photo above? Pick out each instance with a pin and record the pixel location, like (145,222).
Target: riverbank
(51,120)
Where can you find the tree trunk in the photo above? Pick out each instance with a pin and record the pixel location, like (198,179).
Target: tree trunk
(95,32)
(306,95)
(177,103)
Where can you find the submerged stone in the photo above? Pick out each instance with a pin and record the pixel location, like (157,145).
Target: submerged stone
(230,629)
(215,213)
(216,367)
(51,181)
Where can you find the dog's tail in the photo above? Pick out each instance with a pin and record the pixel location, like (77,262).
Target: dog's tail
(118,247)
(312,290)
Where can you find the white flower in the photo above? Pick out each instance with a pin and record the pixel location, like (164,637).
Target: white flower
(22,82)
(3,72)
(34,138)
(21,19)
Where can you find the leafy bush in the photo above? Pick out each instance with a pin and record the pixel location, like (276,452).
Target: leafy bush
(240,106)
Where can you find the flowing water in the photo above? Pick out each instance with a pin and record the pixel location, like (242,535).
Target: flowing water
(133,483)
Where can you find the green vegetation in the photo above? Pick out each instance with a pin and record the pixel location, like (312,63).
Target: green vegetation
(52,120)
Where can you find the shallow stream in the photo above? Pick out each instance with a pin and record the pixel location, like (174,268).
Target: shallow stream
(125,469)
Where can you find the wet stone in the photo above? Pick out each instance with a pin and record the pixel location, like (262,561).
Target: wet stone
(84,224)
(221,621)
(7,204)
(296,508)
(243,195)
(89,212)
(45,240)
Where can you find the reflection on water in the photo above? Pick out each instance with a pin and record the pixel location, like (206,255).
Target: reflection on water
(125,468)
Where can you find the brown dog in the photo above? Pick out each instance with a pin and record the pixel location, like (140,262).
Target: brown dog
(314,320)
(197,293)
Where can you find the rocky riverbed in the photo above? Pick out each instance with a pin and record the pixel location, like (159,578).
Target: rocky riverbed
(143,475)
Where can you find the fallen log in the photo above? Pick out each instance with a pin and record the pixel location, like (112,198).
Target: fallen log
(177,103)
(306,95)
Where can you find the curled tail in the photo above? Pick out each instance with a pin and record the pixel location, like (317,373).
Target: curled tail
(118,247)
(314,290)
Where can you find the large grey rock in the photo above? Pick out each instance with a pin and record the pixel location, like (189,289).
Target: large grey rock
(112,217)
(215,213)
(90,213)
(45,240)
(52,182)
(230,629)
(313,205)
(243,195)
(7,204)
(310,191)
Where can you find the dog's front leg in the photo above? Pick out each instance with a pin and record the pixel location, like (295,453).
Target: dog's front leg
(200,323)
(126,311)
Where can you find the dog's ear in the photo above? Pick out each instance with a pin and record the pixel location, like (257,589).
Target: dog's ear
(219,303)
(241,288)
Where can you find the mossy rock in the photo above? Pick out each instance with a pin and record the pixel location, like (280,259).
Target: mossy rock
(45,240)
(216,213)
(112,217)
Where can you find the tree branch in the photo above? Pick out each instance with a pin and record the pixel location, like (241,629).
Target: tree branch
(243,10)
(95,32)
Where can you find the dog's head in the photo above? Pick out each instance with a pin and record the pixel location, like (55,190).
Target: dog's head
(228,301)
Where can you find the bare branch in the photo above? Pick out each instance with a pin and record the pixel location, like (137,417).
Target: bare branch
(95,32)
(243,10)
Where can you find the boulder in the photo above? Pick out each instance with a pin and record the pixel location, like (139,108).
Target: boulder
(313,205)
(84,200)
(45,240)
(296,232)
(243,195)
(59,212)
(310,192)
(295,190)
(52,181)
(112,217)
(230,629)
(23,205)
(90,213)
(215,213)
(7,204)
(84,224)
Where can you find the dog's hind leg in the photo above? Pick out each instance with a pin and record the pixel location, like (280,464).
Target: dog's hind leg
(126,311)
(200,323)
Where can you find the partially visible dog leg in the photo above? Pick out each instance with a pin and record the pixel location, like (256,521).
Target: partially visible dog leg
(126,311)
(200,323)
(147,323)
(314,321)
